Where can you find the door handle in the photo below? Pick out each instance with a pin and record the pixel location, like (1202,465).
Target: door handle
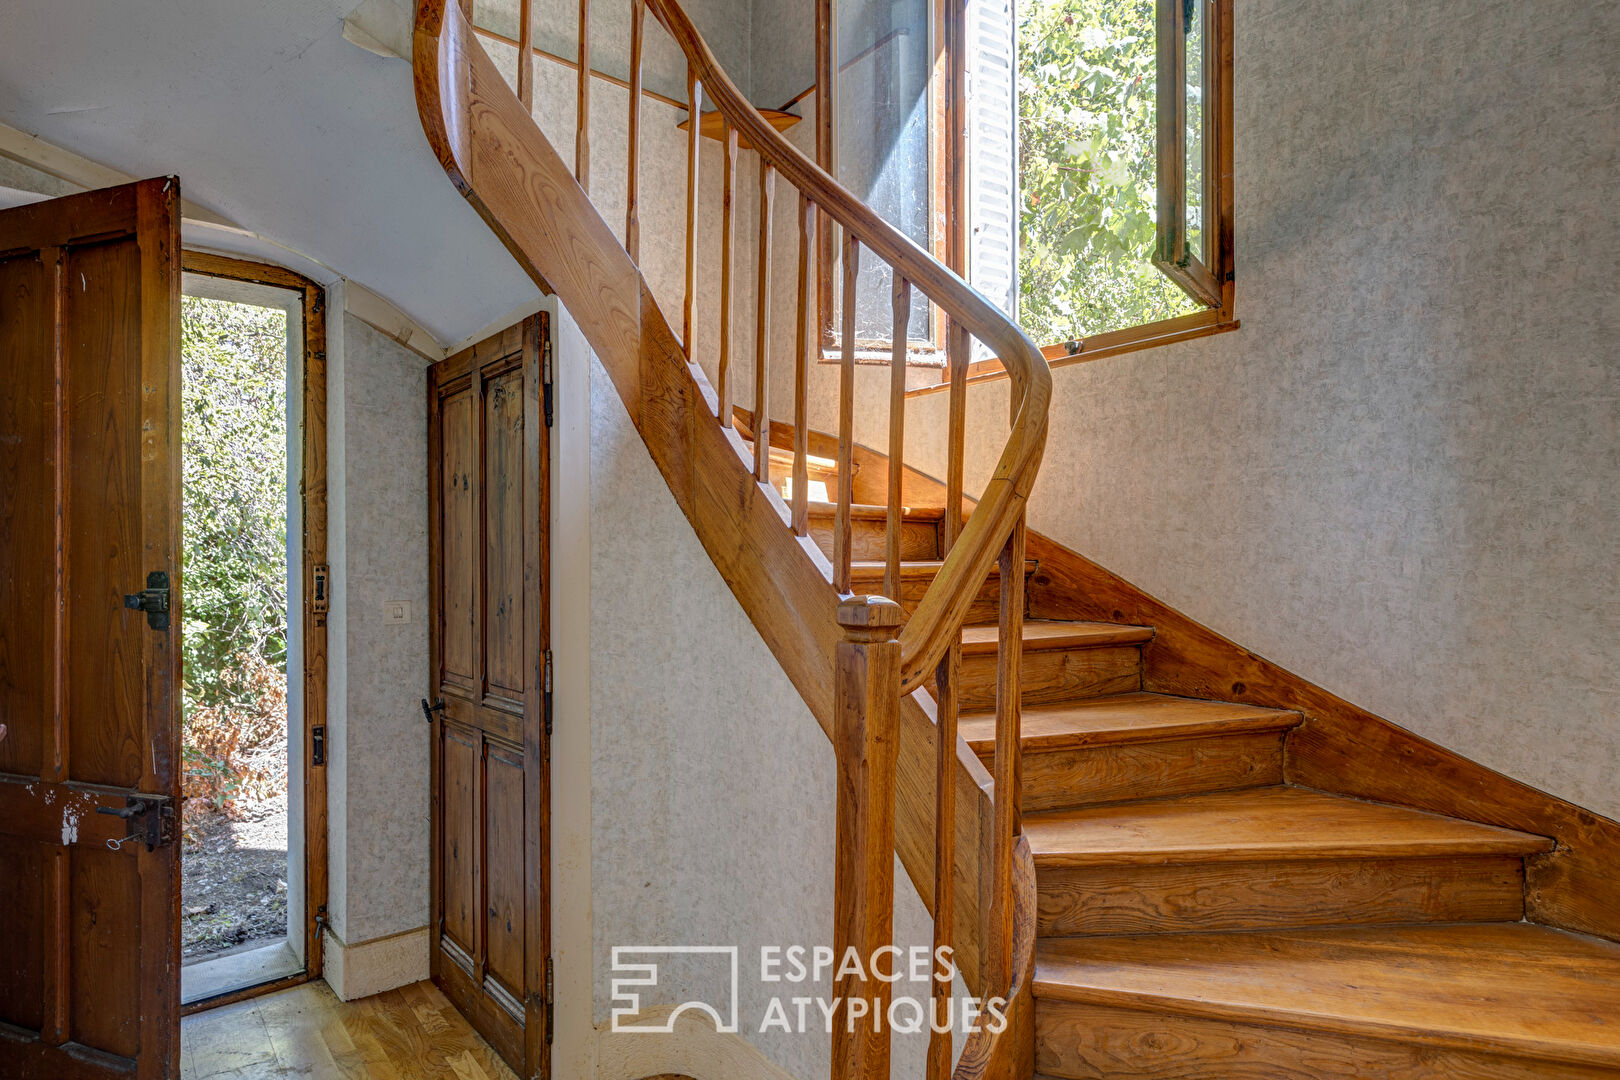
(429,710)
(151,821)
(154,600)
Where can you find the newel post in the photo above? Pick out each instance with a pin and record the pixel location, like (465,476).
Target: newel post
(867,740)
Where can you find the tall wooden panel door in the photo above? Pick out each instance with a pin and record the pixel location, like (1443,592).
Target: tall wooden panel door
(90,635)
(488,464)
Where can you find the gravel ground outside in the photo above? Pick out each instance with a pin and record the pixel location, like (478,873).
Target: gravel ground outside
(233,872)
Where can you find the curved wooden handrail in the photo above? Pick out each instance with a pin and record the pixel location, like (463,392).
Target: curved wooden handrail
(938,619)
(495,154)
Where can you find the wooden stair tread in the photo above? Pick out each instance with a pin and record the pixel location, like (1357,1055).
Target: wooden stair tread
(780,456)
(1508,988)
(1046,634)
(867,512)
(1124,718)
(1267,823)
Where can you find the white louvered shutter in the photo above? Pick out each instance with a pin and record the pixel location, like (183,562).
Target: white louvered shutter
(992,154)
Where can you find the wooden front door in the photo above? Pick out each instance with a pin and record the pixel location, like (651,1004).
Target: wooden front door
(488,465)
(90,635)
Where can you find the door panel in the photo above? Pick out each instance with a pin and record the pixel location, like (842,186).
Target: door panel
(503,538)
(460,757)
(503,849)
(488,508)
(89,507)
(460,560)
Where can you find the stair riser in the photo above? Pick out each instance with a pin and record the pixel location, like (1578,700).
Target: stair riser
(1062,779)
(919,540)
(986,606)
(1053,676)
(1099,1041)
(1275,895)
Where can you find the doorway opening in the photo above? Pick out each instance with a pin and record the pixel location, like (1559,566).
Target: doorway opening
(251,742)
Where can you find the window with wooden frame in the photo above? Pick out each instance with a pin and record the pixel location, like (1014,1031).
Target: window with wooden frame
(1088,187)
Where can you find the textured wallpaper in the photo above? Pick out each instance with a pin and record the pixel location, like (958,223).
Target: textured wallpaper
(1401,477)
(712,784)
(378,769)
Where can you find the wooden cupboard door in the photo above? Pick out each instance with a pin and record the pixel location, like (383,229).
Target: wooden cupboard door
(487,472)
(89,525)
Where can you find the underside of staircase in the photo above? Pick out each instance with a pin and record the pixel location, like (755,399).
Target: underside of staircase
(1202,917)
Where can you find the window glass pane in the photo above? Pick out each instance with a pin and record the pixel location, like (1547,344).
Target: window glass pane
(883,144)
(1196,82)
(1087,170)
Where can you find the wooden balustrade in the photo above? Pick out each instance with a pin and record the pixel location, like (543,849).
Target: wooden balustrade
(632,184)
(525,77)
(582,120)
(846,419)
(901,300)
(728,245)
(801,367)
(866,740)
(880,657)
(762,325)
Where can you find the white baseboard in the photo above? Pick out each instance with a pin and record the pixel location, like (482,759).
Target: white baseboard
(370,967)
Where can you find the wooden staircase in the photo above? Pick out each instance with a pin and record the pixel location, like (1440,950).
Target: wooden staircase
(1160,885)
(1200,917)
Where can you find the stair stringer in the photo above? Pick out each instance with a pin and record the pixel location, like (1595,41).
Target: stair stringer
(508,171)
(1339,747)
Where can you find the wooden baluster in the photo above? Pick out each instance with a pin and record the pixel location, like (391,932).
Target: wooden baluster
(1009,756)
(801,368)
(947,687)
(866,739)
(728,244)
(897,434)
(526,53)
(846,420)
(694,139)
(958,349)
(632,211)
(582,130)
(762,328)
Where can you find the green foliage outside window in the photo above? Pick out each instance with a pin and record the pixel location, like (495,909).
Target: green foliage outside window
(234,522)
(1086,142)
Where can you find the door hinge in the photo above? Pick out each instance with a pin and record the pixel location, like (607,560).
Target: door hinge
(550,1004)
(546,377)
(546,692)
(154,600)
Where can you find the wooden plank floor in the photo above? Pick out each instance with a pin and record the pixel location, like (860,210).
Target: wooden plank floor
(412,1033)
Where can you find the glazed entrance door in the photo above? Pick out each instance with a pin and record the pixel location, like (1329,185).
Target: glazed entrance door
(90,638)
(488,465)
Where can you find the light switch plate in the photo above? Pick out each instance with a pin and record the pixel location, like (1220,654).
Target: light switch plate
(396,612)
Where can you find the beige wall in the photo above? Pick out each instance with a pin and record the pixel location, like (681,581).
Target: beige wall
(692,789)
(377,745)
(1401,477)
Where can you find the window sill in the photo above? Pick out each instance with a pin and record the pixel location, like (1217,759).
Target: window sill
(882,355)
(1113,343)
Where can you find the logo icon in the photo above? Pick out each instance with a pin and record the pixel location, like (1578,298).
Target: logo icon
(645,974)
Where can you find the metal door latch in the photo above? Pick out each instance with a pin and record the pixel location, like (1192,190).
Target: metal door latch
(154,600)
(429,710)
(151,821)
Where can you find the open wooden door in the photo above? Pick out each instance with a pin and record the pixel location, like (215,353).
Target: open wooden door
(487,497)
(90,635)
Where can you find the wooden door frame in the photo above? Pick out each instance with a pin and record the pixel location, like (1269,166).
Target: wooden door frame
(535,335)
(313,617)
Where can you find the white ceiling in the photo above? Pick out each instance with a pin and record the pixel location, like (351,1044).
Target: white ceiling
(271,119)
